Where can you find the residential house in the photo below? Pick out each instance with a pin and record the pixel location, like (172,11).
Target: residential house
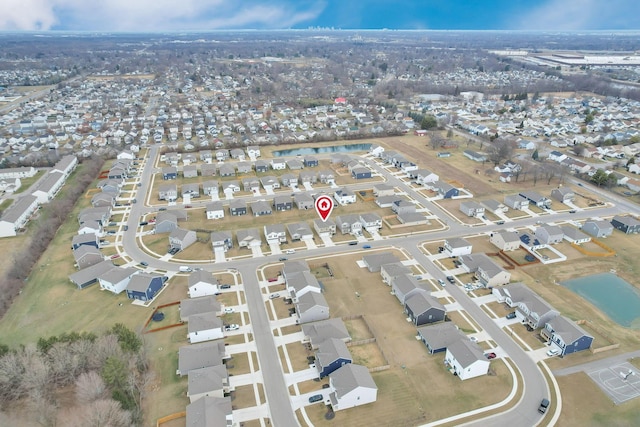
(476,157)
(208,169)
(566,336)
(116,279)
(212,381)
(191,190)
(472,208)
(316,333)
(549,234)
(516,201)
(331,355)
(326,177)
(300,283)
(253,151)
(374,262)
(312,307)
(310,162)
(204,327)
(282,203)
(424,176)
(169,172)
(221,239)
(88,239)
(575,236)
(144,286)
(349,224)
(494,206)
(392,270)
(383,189)
(275,233)
(89,275)
(344,196)
(244,167)
(103,199)
(261,208)
(563,194)
(278,164)
(300,231)
(371,222)
(203,304)
(360,172)
(486,270)
(439,336)
(308,176)
(294,164)
(536,198)
(16,216)
(214,210)
(198,356)
(324,228)
(168,192)
(230,187)
(531,309)
(167,221)
(190,171)
(557,156)
(402,206)
(237,153)
(351,385)
(444,189)
(466,359)
(238,207)
(626,224)
(210,188)
(597,228)
(270,182)
(303,201)
(261,166)
(86,256)
(457,246)
(404,286)
(505,240)
(181,238)
(47,188)
(226,169)
(248,238)
(201,283)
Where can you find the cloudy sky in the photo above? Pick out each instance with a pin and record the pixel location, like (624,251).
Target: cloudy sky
(177,15)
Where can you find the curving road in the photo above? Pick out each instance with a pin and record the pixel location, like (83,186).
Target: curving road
(524,412)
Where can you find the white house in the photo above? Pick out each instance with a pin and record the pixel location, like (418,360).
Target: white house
(457,246)
(345,196)
(351,385)
(201,283)
(215,210)
(116,279)
(205,327)
(17,215)
(466,359)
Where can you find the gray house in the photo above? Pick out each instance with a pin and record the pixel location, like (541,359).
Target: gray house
(440,336)
(303,201)
(549,234)
(516,201)
(598,228)
(238,207)
(422,308)
(282,203)
(312,307)
(221,239)
(181,238)
(261,208)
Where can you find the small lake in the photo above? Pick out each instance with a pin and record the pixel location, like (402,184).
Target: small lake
(614,296)
(322,150)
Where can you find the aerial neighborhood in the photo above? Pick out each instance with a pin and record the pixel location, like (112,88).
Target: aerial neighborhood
(302,240)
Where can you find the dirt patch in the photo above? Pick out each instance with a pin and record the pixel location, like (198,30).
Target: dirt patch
(368,355)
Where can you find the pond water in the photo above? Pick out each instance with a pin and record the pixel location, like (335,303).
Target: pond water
(321,150)
(617,298)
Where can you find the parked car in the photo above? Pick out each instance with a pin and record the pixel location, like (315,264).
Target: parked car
(500,222)
(115,256)
(144,223)
(441,282)
(272,279)
(162,209)
(188,206)
(451,279)
(353,243)
(274,296)
(544,404)
(144,263)
(126,228)
(290,251)
(315,398)
(225,286)
(174,251)
(490,356)
(511,315)
(232,327)
(553,352)
(366,246)
(229,310)
(283,259)
(572,211)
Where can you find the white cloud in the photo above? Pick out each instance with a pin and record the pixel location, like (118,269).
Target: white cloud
(568,15)
(154,15)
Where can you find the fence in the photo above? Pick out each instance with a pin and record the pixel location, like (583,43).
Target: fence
(171,417)
(609,252)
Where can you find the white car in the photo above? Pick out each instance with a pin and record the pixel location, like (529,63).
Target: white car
(553,352)
(274,296)
(228,310)
(232,327)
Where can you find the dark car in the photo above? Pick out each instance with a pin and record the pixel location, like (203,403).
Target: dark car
(225,286)
(144,223)
(315,398)
(283,259)
(126,228)
(162,209)
(144,263)
(499,222)
(353,243)
(174,251)
(451,279)
(544,405)
(511,315)
(572,211)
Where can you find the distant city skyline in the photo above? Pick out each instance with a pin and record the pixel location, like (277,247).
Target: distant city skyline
(203,15)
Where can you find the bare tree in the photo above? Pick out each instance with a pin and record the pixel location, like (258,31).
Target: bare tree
(90,387)
(501,150)
(104,412)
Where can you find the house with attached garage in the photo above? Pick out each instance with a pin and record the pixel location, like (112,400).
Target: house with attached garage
(275,233)
(103,199)
(444,189)
(181,238)
(494,206)
(626,224)
(466,359)
(457,246)
(221,239)
(238,207)
(573,235)
(193,306)
(310,162)
(17,215)
(597,228)
(86,256)
(307,176)
(404,286)
(312,307)
(424,176)
(318,332)
(351,385)
(215,210)
(85,239)
(324,228)
(531,309)
(251,184)
(204,327)
(261,208)
(244,167)
(331,355)
(270,182)
(402,206)
(91,227)
(167,221)
(536,198)
(549,234)
(253,151)
(472,208)
(349,224)
(476,157)
(226,170)
(505,240)
(289,180)
(374,262)
(248,238)
(326,177)
(208,170)
(47,188)
(278,164)
(191,190)
(169,172)
(360,172)
(212,381)
(200,355)
(516,201)
(190,171)
(303,201)
(422,308)
(145,286)
(371,222)
(383,189)
(116,279)
(392,270)
(282,203)
(563,194)
(439,336)
(168,192)
(486,270)
(301,283)
(299,231)
(261,166)
(201,283)
(344,196)
(89,275)
(566,336)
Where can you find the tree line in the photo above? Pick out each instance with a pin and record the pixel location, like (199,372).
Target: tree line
(108,375)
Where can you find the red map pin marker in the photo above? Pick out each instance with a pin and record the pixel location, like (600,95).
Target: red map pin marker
(324,206)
